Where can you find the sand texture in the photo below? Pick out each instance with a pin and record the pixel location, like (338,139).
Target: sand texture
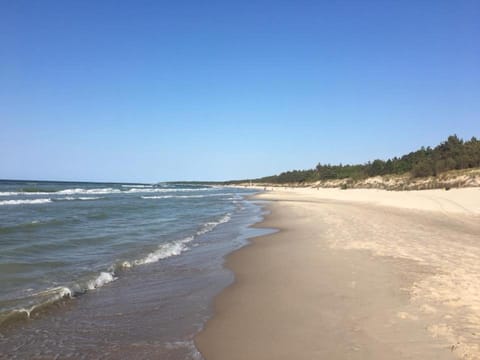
(355,274)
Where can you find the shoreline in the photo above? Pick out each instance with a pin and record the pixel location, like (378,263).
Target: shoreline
(353,277)
(155,305)
(462,200)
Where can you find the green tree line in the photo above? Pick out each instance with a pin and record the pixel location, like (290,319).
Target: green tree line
(454,153)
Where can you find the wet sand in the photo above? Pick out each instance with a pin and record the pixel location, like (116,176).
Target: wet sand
(365,278)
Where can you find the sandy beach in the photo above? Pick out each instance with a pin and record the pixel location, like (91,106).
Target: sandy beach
(354,274)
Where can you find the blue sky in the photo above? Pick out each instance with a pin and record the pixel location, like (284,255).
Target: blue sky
(216,90)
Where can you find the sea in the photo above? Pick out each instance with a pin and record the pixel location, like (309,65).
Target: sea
(114,271)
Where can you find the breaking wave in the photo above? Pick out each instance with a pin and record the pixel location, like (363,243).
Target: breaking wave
(100,280)
(47,200)
(88,191)
(81,198)
(23,202)
(165,250)
(209,226)
(102,191)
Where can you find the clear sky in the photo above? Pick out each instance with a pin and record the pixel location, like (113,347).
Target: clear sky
(215,90)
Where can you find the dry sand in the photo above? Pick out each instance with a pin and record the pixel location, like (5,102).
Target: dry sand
(355,274)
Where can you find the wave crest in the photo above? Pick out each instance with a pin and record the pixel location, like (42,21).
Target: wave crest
(209,226)
(165,251)
(24,202)
(102,279)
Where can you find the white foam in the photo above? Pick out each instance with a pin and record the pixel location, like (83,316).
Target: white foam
(165,251)
(15,193)
(8,193)
(64,192)
(24,202)
(175,248)
(73,198)
(49,295)
(130,189)
(209,226)
(88,191)
(25,311)
(102,279)
(126,265)
(157,197)
(45,200)
(56,292)
(167,190)
(226,218)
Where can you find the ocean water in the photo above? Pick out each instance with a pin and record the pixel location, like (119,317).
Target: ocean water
(92,270)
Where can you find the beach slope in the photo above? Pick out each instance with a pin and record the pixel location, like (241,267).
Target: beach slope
(356,274)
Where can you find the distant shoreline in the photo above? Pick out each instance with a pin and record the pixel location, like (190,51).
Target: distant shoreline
(449,180)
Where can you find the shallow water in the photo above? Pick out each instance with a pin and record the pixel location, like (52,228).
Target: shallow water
(113,270)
